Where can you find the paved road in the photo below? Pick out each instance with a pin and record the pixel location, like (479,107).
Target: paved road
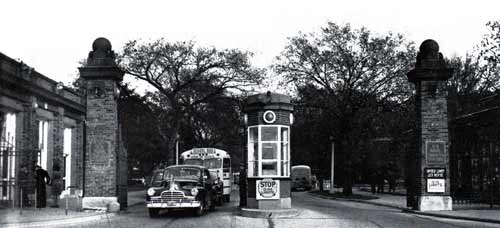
(350,214)
(314,212)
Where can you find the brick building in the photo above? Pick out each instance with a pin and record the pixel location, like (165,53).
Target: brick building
(41,123)
(75,136)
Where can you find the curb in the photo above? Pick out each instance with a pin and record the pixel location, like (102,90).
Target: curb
(359,201)
(451,216)
(410,211)
(59,222)
(257,213)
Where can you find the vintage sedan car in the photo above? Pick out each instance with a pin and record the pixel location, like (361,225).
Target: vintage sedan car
(182,187)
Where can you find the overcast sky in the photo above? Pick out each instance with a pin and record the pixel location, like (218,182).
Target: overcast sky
(53,36)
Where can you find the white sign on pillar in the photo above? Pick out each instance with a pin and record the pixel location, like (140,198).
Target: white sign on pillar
(435,185)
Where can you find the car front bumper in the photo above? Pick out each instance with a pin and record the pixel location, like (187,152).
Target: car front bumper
(173,204)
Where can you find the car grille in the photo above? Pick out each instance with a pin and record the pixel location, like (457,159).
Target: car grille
(172,195)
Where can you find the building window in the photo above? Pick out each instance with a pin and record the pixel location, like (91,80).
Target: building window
(253,144)
(68,154)
(268,151)
(43,139)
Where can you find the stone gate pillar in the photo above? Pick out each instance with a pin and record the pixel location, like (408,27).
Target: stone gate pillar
(431,189)
(103,152)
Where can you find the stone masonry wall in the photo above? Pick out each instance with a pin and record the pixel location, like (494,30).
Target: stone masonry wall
(102,126)
(434,130)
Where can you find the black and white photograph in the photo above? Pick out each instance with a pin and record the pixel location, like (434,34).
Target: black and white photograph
(249,114)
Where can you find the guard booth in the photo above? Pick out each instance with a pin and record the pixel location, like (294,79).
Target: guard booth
(268,117)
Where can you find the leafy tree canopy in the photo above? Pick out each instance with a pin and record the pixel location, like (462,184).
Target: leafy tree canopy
(189,81)
(349,72)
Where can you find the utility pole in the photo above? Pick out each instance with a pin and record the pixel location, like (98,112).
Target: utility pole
(177,149)
(332,176)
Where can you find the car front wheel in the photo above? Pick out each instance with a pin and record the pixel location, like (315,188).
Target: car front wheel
(211,207)
(227,198)
(200,210)
(154,212)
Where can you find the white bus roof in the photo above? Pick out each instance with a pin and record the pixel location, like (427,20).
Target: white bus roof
(301,166)
(205,152)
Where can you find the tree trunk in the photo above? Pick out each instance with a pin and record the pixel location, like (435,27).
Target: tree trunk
(347,185)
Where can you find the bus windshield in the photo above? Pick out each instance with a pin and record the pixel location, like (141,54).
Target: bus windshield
(213,163)
(301,172)
(210,163)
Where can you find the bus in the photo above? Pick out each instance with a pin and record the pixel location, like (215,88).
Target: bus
(301,177)
(217,161)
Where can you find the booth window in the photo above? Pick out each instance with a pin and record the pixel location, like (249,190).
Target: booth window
(268,151)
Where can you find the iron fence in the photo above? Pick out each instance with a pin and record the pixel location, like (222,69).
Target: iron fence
(16,175)
(7,172)
(475,158)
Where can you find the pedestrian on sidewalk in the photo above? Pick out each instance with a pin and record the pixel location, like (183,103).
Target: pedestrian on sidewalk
(243,185)
(380,180)
(372,177)
(42,178)
(392,177)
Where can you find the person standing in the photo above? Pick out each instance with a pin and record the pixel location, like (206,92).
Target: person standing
(392,177)
(380,180)
(243,186)
(42,178)
(373,181)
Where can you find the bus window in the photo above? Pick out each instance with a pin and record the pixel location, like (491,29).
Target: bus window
(226,164)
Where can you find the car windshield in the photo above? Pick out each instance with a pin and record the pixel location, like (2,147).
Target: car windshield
(194,162)
(182,173)
(210,163)
(157,179)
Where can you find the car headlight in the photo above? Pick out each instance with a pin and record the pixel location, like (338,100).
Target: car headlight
(194,191)
(151,192)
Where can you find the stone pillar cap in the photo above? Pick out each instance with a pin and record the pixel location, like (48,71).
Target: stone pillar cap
(430,65)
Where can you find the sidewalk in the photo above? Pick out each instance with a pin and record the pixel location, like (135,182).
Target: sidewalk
(32,217)
(481,213)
